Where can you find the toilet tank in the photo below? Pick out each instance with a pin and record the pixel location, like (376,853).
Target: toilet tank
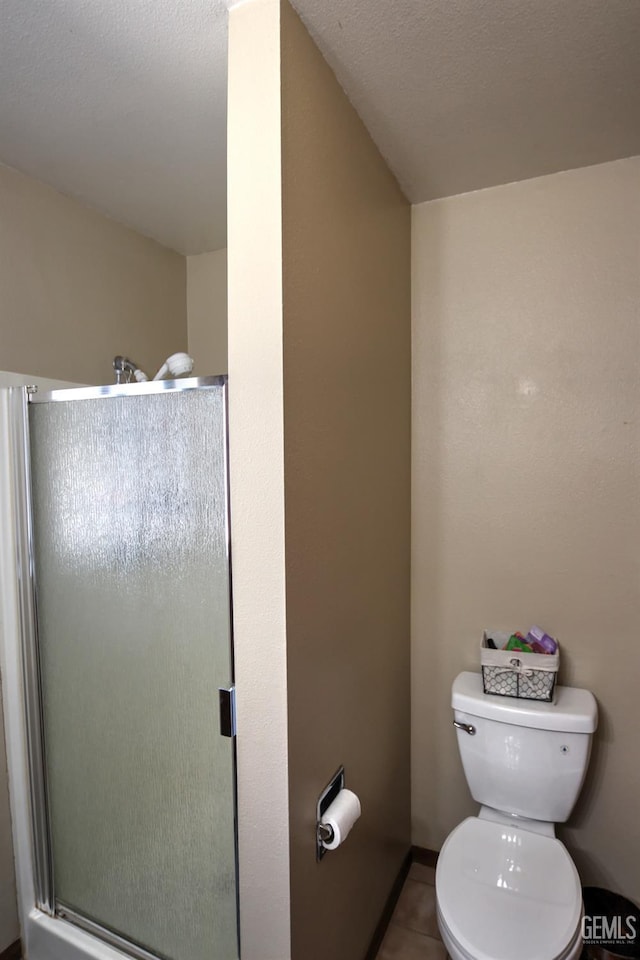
(526,757)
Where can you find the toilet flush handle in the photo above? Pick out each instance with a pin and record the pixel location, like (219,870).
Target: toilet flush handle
(467,727)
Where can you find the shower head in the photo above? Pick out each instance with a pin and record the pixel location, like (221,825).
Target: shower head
(177,364)
(122,365)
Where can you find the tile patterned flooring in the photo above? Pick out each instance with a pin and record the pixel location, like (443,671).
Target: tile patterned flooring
(413,931)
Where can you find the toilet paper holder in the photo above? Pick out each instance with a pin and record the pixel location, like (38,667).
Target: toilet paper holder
(324,832)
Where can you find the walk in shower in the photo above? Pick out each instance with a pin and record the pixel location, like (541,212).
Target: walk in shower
(117,659)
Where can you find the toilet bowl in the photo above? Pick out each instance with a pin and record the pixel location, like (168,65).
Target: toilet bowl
(506,887)
(504,893)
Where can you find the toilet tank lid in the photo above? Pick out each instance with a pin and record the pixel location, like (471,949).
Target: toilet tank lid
(573,710)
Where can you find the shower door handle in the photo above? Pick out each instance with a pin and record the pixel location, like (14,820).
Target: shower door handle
(227,702)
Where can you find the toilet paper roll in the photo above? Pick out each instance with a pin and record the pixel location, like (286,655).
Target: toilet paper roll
(341,816)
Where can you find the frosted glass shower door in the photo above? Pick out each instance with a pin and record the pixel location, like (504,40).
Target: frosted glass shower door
(130,538)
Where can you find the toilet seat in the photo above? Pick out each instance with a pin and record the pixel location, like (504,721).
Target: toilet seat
(574,950)
(504,893)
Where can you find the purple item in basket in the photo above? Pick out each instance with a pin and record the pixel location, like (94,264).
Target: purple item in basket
(541,641)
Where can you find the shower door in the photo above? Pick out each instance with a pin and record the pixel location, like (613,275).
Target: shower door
(133,786)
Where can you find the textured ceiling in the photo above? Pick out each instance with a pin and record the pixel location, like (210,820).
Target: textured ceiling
(122,104)
(464,94)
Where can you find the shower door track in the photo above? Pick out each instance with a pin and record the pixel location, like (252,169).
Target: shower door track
(64,912)
(75,936)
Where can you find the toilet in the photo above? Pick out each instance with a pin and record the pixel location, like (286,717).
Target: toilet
(506,887)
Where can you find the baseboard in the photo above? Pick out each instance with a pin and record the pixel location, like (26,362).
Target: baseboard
(427,857)
(13,952)
(387,912)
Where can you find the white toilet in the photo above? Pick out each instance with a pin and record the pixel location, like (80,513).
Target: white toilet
(506,888)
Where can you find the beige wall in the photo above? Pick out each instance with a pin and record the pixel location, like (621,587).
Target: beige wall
(207,312)
(77,288)
(256,465)
(346,260)
(319,340)
(526,474)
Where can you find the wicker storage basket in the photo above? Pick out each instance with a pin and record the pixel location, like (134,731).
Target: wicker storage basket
(511,673)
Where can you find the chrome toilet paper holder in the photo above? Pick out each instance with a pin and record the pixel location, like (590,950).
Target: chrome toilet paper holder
(324,832)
